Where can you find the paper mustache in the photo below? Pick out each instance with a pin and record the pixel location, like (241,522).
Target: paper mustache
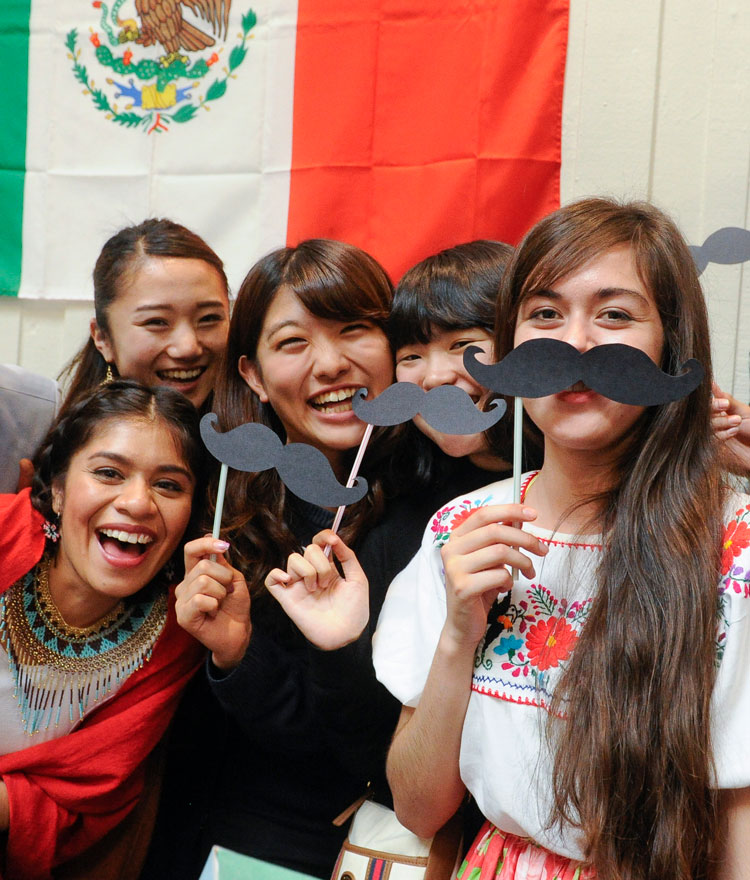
(304,470)
(620,372)
(726,246)
(446,408)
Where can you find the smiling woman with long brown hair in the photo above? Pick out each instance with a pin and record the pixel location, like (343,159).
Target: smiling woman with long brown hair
(595,706)
(304,730)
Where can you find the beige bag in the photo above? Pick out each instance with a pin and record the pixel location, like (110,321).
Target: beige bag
(380,848)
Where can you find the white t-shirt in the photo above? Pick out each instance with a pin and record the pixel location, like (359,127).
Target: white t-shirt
(505,761)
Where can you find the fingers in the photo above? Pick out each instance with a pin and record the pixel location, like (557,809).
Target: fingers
(201,593)
(482,550)
(495,513)
(345,555)
(724,429)
(494,534)
(309,568)
(25,474)
(207,582)
(201,548)
(314,569)
(486,568)
(277,577)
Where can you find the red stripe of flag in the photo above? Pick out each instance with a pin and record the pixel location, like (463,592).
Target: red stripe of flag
(419,123)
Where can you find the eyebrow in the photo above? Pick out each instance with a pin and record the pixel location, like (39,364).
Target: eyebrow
(124,460)
(167,307)
(280,325)
(602,294)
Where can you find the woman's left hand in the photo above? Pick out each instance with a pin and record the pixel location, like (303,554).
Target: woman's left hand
(330,610)
(730,421)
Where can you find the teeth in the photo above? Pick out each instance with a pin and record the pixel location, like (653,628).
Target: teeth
(181,374)
(334,396)
(127,537)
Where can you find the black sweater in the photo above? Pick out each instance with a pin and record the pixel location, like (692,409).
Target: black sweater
(265,757)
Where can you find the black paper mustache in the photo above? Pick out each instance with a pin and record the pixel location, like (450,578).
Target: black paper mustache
(727,245)
(304,470)
(446,408)
(620,372)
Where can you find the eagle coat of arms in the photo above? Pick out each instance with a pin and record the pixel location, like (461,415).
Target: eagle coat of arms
(162,59)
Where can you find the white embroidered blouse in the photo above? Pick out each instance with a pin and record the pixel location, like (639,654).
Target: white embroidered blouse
(531,633)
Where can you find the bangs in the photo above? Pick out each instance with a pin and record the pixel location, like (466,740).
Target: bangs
(338,282)
(454,289)
(341,302)
(418,312)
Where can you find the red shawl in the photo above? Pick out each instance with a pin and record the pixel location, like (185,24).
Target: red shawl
(68,793)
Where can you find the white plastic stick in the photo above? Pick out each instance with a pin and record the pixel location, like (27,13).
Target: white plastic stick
(350,482)
(517,447)
(517,451)
(221,492)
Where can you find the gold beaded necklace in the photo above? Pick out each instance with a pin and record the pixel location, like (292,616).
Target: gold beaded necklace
(57,667)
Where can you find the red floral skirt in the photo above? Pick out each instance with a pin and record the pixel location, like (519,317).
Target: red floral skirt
(498,855)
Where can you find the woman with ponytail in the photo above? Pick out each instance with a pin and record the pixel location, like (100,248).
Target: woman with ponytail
(162,313)
(596,705)
(92,661)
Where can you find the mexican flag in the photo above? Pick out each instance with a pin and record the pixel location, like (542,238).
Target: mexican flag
(402,126)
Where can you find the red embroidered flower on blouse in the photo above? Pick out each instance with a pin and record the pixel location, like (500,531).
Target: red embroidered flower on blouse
(736,539)
(549,642)
(461,516)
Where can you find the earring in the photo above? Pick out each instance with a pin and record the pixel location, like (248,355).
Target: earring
(169,572)
(51,529)
(109,377)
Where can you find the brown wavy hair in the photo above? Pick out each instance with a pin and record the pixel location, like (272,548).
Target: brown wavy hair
(334,281)
(122,255)
(632,761)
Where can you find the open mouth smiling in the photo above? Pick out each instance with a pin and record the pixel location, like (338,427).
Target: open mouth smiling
(122,544)
(178,376)
(338,401)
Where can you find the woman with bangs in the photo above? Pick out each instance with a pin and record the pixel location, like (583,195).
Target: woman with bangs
(441,306)
(304,730)
(598,720)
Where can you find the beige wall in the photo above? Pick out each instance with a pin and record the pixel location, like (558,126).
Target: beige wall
(657,106)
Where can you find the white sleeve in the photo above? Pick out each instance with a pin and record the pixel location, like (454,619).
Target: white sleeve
(410,623)
(730,710)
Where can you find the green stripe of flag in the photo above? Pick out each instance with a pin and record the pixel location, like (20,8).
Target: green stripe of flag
(14,67)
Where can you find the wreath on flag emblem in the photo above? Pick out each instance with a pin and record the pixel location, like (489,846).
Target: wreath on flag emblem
(160,66)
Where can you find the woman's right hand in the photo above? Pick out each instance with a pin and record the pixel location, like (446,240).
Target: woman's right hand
(213,602)
(477,560)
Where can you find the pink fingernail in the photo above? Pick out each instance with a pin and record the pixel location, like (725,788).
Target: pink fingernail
(221,546)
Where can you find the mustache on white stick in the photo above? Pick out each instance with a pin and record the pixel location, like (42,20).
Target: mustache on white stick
(350,482)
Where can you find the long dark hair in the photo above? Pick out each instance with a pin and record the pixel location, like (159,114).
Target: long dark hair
(455,289)
(121,399)
(122,255)
(633,763)
(333,280)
